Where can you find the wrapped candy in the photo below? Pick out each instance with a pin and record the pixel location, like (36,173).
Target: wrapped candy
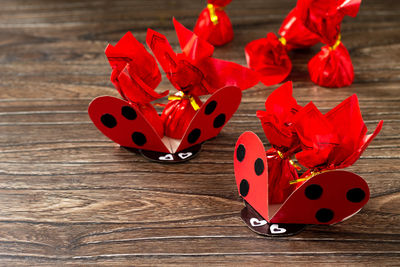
(294,34)
(277,122)
(194,73)
(214,24)
(269,56)
(332,66)
(335,140)
(135,75)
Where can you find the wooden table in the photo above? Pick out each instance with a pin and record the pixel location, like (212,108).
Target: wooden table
(70,196)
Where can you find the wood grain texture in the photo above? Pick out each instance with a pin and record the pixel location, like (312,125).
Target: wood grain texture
(71,197)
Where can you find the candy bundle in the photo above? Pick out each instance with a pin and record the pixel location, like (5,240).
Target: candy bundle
(214,24)
(332,66)
(310,22)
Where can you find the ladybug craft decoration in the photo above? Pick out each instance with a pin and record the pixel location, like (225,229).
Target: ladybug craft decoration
(214,24)
(310,22)
(185,122)
(279,200)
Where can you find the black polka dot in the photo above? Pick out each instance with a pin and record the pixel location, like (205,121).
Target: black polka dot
(108,120)
(240,152)
(128,112)
(259,166)
(324,215)
(219,120)
(210,107)
(355,195)
(139,139)
(194,135)
(244,188)
(313,191)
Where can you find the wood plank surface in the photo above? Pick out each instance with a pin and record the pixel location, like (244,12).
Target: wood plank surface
(70,196)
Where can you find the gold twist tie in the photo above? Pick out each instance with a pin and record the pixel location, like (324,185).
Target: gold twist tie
(213,15)
(181,95)
(333,47)
(311,175)
(296,166)
(282,40)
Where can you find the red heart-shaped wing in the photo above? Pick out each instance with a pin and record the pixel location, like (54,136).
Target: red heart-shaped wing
(251,172)
(212,116)
(124,124)
(327,198)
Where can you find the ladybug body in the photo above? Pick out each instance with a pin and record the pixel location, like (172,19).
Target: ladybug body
(325,198)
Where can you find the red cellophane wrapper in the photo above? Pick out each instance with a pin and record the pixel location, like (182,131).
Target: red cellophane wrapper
(332,141)
(324,17)
(269,58)
(297,36)
(194,72)
(177,115)
(135,74)
(214,24)
(331,67)
(277,122)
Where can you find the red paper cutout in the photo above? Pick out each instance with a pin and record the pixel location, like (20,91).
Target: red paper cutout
(332,66)
(214,24)
(252,187)
(326,198)
(268,57)
(129,130)
(212,116)
(335,204)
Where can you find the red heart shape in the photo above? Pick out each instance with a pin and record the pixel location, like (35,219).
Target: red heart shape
(107,114)
(326,198)
(131,130)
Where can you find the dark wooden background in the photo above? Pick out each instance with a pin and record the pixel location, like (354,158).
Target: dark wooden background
(68,195)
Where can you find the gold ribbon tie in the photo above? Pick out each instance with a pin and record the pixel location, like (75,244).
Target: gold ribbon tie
(282,40)
(181,95)
(311,175)
(333,47)
(213,15)
(296,166)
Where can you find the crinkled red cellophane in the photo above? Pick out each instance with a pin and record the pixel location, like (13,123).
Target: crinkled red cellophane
(194,72)
(135,74)
(269,58)
(334,140)
(277,122)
